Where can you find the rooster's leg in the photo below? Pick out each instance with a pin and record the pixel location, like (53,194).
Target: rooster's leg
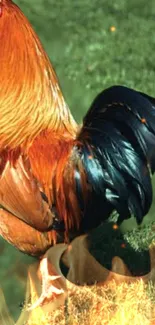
(49,291)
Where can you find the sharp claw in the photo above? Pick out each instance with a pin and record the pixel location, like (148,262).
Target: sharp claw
(49,291)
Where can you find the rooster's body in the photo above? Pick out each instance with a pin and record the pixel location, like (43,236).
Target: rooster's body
(55,175)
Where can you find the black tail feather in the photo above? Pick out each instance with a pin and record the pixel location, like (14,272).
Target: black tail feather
(117,151)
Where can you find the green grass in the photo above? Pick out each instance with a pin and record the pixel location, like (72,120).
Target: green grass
(88,57)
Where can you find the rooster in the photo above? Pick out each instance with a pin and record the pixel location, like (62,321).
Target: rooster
(59,179)
(55,173)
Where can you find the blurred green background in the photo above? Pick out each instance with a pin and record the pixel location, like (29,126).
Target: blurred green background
(92,45)
(86,55)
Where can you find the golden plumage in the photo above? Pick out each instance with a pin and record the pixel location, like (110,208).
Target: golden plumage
(30,97)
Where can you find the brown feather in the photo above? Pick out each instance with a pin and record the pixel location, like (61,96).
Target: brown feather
(19,194)
(23,236)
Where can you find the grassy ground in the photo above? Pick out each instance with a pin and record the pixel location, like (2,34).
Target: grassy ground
(92,45)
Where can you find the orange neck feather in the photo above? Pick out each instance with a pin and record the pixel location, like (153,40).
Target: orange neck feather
(30,98)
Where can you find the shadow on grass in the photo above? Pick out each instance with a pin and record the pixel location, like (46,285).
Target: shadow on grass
(107,242)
